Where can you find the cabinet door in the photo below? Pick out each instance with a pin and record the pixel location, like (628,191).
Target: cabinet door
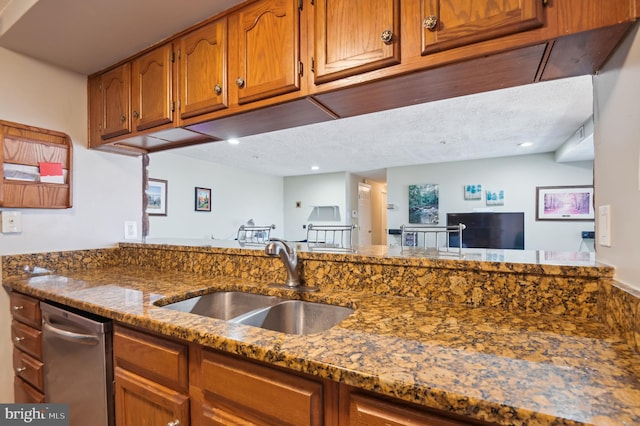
(355,36)
(240,392)
(141,402)
(266,37)
(152,88)
(367,411)
(448,24)
(202,61)
(116,98)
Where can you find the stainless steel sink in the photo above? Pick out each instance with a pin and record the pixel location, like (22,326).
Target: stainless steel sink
(296,317)
(269,312)
(225,304)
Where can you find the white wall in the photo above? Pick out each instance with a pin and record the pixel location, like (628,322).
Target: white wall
(327,189)
(617,145)
(237,196)
(105,193)
(518,176)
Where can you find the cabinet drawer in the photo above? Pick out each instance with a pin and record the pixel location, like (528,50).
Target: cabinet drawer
(28,368)
(155,358)
(25,393)
(26,309)
(27,339)
(234,388)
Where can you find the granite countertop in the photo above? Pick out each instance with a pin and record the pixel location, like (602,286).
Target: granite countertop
(486,363)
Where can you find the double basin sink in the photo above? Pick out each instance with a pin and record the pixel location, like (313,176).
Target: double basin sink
(268,312)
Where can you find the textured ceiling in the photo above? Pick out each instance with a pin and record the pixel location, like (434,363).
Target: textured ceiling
(85,36)
(491,124)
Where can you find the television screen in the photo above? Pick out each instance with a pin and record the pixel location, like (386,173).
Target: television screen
(488,230)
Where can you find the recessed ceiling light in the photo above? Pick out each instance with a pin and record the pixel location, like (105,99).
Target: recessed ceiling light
(314,168)
(233,141)
(525,144)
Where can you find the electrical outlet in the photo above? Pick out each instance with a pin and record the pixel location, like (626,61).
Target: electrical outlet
(130,230)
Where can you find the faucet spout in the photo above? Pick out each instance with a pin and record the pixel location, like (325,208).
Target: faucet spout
(289,257)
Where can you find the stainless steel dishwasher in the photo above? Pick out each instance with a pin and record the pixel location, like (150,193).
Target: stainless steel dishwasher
(78,364)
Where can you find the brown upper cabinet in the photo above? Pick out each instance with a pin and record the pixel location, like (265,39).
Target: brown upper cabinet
(448,24)
(202,70)
(152,88)
(352,37)
(267,65)
(264,43)
(115,97)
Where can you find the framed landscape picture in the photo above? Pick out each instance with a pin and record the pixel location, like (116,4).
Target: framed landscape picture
(157,197)
(203,199)
(564,203)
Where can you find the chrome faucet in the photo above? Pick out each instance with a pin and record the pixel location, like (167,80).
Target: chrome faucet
(289,257)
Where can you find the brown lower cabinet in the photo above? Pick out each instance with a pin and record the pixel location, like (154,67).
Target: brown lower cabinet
(28,383)
(150,379)
(151,382)
(140,401)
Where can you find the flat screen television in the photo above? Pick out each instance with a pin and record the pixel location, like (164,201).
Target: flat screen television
(500,230)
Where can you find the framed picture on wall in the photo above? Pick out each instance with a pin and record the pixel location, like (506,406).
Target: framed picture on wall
(564,203)
(203,199)
(156,197)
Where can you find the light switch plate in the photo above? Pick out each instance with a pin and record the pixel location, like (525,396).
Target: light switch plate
(604,225)
(11,222)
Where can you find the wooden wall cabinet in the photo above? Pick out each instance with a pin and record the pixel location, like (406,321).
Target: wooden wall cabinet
(151,380)
(352,37)
(202,70)
(268,65)
(26,336)
(264,50)
(115,102)
(23,148)
(447,24)
(152,88)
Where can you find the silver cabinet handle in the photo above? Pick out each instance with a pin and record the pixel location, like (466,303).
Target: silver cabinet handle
(85,339)
(174,423)
(18,339)
(20,369)
(18,307)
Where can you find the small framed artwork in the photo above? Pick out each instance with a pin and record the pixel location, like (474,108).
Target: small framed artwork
(564,202)
(156,197)
(473,192)
(495,198)
(203,199)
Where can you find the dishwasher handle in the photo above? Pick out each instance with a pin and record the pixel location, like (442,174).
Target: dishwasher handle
(84,339)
